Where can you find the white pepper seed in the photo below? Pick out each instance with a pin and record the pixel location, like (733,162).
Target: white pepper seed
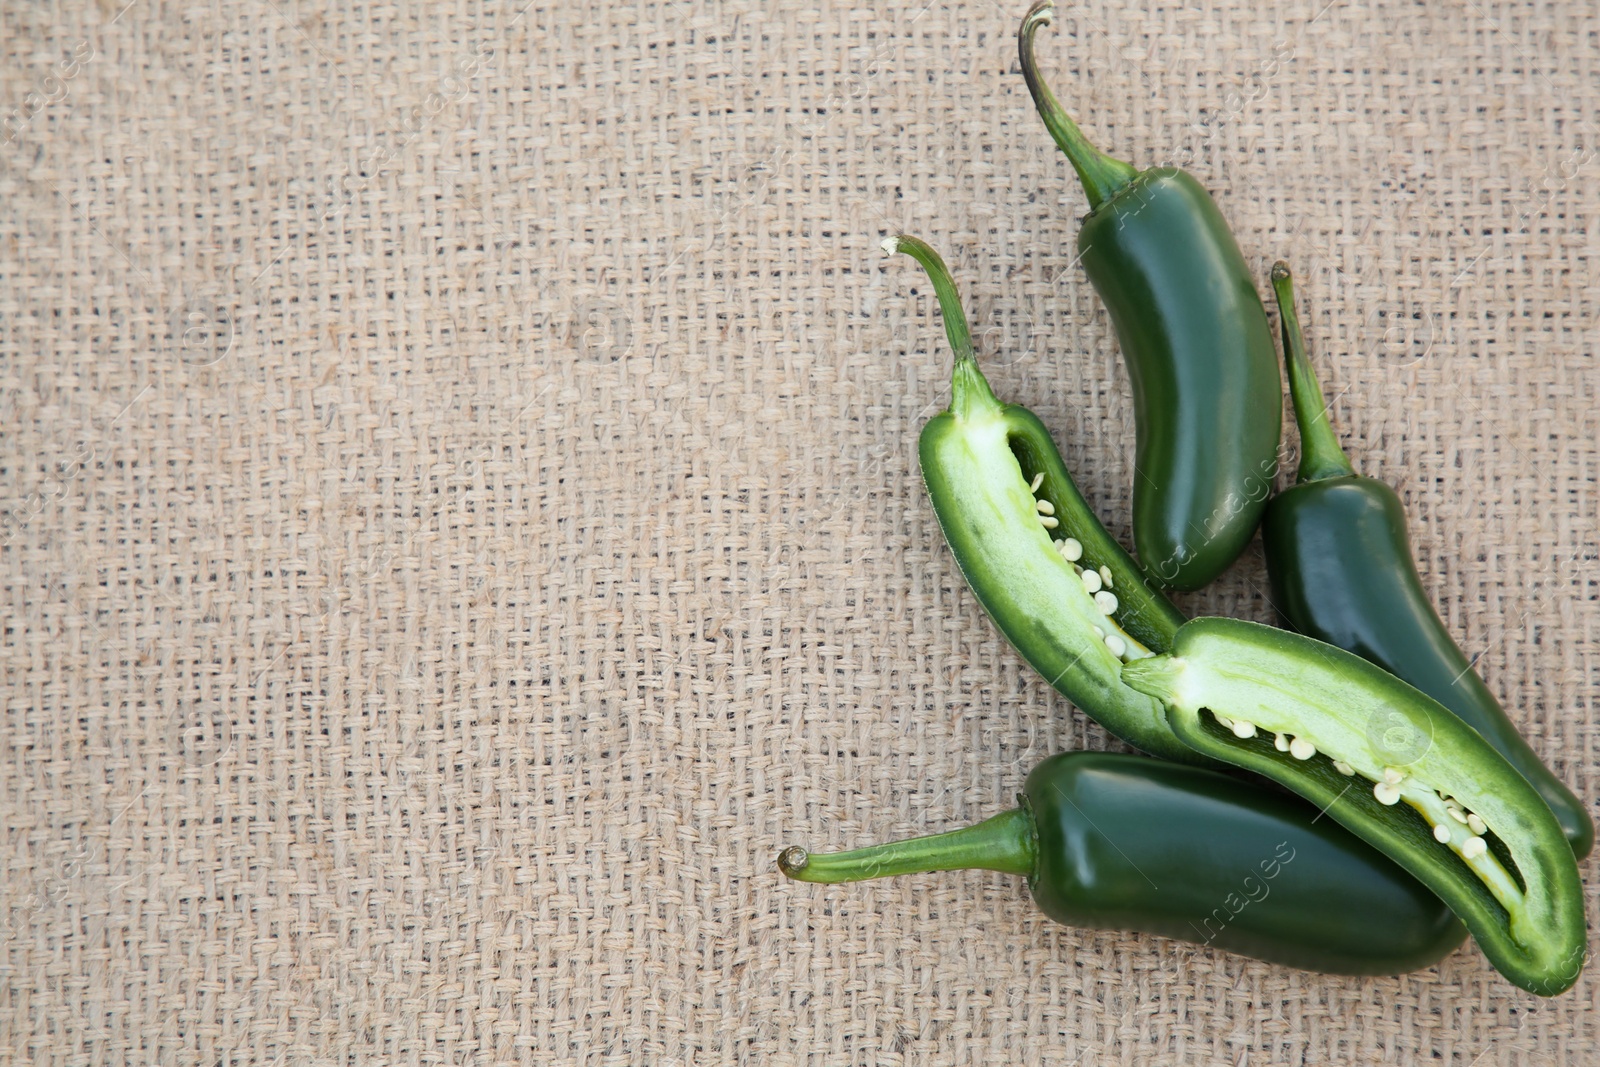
(1280,742)
(1441,834)
(1118,647)
(1038,480)
(1045,507)
(1386,793)
(1473,847)
(1242,729)
(1343,768)
(1049,522)
(1091,580)
(1477,825)
(1071,549)
(1105,575)
(1106,602)
(1300,748)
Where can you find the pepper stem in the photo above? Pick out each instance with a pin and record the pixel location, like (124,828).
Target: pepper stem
(1154,676)
(1320,454)
(969,390)
(1002,843)
(1102,176)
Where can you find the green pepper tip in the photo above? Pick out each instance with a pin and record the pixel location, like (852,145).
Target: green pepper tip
(1003,842)
(1042,13)
(1102,176)
(944,288)
(1320,454)
(970,394)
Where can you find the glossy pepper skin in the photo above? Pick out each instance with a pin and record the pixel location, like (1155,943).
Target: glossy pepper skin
(1195,339)
(1396,768)
(1125,842)
(1012,517)
(1342,571)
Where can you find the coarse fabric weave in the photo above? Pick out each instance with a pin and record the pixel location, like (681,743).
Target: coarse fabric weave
(461,514)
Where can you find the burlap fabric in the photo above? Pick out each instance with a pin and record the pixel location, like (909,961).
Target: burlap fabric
(462,513)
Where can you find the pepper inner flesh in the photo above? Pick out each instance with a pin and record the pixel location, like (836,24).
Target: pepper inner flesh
(1097,578)
(1465,833)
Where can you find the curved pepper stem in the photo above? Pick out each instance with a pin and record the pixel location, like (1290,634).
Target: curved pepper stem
(969,390)
(1320,454)
(1002,843)
(1102,176)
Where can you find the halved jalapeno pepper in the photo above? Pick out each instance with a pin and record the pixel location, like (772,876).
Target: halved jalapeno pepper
(1057,584)
(1395,767)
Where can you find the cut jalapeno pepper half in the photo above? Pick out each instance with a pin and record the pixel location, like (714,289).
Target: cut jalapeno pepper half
(1055,582)
(1395,767)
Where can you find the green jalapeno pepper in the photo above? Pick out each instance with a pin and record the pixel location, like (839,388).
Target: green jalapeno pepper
(1195,339)
(1353,738)
(1056,583)
(1130,843)
(1342,572)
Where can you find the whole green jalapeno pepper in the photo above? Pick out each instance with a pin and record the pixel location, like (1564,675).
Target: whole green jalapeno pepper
(1057,584)
(1130,843)
(1354,739)
(1195,339)
(1342,572)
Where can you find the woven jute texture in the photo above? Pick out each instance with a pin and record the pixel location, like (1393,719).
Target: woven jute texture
(462,516)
